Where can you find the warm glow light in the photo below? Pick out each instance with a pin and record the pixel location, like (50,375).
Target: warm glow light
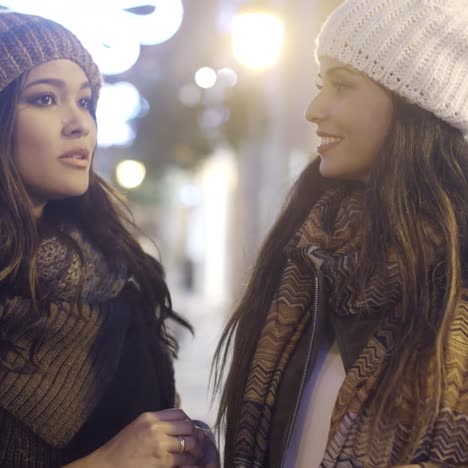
(130,174)
(227,77)
(205,77)
(257,39)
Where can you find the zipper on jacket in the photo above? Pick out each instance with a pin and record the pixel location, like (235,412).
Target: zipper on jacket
(306,369)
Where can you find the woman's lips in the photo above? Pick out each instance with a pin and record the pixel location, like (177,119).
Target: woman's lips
(327,143)
(77,157)
(75,161)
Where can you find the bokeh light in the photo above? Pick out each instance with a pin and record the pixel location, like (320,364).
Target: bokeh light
(118,104)
(120,100)
(257,39)
(205,77)
(227,77)
(112,34)
(114,53)
(130,173)
(158,26)
(189,195)
(115,134)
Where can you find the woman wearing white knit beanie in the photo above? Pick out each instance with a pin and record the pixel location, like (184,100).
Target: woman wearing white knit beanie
(350,345)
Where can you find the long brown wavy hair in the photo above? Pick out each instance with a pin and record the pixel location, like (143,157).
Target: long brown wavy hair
(421,173)
(100,213)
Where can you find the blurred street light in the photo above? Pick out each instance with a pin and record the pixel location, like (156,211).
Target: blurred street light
(130,174)
(119,103)
(158,26)
(257,39)
(205,77)
(227,77)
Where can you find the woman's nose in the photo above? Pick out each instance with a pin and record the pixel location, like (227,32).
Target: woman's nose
(77,122)
(316,110)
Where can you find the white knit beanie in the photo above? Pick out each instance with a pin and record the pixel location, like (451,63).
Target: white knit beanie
(416,48)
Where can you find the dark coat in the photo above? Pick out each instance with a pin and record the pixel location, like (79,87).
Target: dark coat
(131,369)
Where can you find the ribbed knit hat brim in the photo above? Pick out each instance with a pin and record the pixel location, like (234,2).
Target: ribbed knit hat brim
(415,48)
(27,41)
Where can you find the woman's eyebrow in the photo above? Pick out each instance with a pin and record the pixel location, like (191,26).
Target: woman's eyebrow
(55,82)
(339,68)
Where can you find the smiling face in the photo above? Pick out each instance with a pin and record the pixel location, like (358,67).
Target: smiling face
(353,117)
(55,133)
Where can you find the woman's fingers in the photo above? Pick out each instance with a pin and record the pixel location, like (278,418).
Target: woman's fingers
(167,438)
(180,435)
(210,457)
(185,445)
(184,437)
(181,428)
(183,459)
(172,414)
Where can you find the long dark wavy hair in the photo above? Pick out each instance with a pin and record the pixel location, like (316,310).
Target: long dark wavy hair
(100,213)
(421,173)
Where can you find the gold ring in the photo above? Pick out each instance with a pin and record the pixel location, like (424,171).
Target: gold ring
(182,444)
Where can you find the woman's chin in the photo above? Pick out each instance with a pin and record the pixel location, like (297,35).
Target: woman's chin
(70,192)
(328,170)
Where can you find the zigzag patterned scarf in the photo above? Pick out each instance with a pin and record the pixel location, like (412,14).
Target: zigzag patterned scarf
(334,251)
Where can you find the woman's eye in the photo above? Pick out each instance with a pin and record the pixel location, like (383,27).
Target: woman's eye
(332,85)
(85,103)
(339,86)
(44,100)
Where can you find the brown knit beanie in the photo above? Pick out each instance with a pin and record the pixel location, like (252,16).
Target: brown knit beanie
(27,41)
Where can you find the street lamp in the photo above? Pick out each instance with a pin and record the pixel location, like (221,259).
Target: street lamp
(257,38)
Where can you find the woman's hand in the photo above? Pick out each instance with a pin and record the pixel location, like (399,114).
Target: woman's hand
(210,457)
(164,439)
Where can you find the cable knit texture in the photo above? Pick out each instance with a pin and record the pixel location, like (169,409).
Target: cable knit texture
(60,268)
(27,41)
(416,48)
(99,367)
(82,350)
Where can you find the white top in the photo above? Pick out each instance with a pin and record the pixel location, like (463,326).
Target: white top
(310,432)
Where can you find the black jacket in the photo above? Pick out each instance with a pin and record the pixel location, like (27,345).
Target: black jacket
(351,334)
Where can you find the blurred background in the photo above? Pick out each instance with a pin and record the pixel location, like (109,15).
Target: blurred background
(201,126)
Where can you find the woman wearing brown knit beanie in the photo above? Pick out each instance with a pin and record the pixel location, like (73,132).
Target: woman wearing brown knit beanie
(86,374)
(350,345)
